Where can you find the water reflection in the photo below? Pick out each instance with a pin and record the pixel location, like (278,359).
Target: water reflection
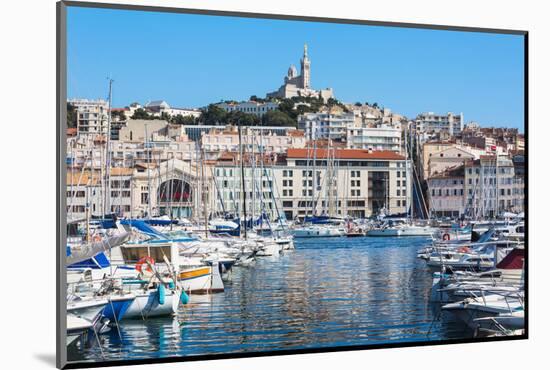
(325,293)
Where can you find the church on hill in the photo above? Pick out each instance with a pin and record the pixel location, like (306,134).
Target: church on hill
(300,85)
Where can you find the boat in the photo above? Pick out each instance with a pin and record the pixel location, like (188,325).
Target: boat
(393,229)
(318,231)
(152,302)
(471,310)
(77,327)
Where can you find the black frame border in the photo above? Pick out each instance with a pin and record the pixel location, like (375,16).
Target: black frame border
(61,87)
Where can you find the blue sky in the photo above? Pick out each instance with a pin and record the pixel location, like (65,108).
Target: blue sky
(193,60)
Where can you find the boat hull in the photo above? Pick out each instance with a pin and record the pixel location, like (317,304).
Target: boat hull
(147,305)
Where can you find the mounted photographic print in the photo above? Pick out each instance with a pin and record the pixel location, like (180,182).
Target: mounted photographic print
(235,184)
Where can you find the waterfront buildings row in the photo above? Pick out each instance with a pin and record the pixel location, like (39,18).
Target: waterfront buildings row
(481,188)
(336,125)
(339,182)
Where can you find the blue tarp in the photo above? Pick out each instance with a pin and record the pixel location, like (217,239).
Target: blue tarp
(99,261)
(144,227)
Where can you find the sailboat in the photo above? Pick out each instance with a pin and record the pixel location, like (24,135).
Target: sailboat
(401,227)
(320,226)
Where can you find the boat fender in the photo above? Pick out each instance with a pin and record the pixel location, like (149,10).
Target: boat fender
(171,285)
(161,291)
(184,298)
(446,236)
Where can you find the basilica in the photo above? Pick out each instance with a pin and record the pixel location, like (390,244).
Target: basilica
(300,85)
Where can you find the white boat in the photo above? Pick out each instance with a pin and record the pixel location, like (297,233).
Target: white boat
(76,328)
(86,308)
(402,230)
(201,279)
(149,303)
(318,231)
(471,310)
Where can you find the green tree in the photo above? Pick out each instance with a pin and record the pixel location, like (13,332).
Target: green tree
(141,113)
(165,116)
(119,114)
(71,115)
(278,118)
(183,120)
(213,115)
(244,119)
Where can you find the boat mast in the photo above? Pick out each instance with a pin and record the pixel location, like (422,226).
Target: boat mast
(107,207)
(243,190)
(148,173)
(313,178)
(204,195)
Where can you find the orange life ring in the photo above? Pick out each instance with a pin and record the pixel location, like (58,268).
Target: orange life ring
(446,236)
(143,261)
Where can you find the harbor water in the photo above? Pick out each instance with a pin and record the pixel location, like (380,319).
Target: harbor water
(325,293)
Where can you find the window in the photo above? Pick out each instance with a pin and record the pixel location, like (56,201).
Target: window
(398,192)
(398,203)
(398,183)
(144,198)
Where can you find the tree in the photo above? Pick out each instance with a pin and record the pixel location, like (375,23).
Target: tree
(119,114)
(141,113)
(165,116)
(183,120)
(244,119)
(278,118)
(357,104)
(71,115)
(213,115)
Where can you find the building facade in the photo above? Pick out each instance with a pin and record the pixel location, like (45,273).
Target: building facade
(250,107)
(492,187)
(449,123)
(92,116)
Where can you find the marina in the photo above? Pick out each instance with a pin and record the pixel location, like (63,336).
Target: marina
(293,221)
(326,292)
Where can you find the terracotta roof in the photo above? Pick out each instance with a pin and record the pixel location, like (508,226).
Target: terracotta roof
(121,171)
(83,179)
(297,133)
(345,154)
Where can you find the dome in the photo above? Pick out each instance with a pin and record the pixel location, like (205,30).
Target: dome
(292,71)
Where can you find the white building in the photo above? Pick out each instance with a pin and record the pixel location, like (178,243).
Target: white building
(492,187)
(250,107)
(332,124)
(158,107)
(338,125)
(92,116)
(374,138)
(351,182)
(446,193)
(300,85)
(431,122)
(254,139)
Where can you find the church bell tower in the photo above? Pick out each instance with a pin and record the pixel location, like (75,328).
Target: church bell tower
(305,70)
